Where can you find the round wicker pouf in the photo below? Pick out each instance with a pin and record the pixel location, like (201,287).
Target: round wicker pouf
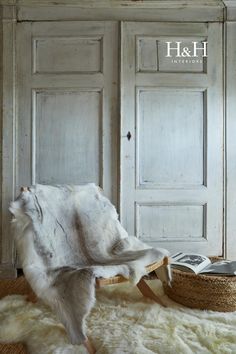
(205,292)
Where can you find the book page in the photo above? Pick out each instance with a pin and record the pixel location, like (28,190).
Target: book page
(221,267)
(192,261)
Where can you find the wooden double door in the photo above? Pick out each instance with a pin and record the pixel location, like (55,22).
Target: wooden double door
(97,106)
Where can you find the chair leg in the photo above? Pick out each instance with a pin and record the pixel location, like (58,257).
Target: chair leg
(147,292)
(90,348)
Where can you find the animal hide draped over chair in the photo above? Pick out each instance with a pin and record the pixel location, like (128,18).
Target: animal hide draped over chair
(66,236)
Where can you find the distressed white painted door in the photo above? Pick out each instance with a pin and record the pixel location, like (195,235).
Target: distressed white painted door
(67,97)
(172,137)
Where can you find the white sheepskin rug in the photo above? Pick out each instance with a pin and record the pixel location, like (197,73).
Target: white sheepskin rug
(121,322)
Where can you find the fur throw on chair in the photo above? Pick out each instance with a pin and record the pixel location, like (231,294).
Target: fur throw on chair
(66,236)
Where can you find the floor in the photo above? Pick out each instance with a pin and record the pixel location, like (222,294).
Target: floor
(132,324)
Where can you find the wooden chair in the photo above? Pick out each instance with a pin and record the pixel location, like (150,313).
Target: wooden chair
(142,285)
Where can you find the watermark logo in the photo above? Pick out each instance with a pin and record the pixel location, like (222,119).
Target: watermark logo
(186,54)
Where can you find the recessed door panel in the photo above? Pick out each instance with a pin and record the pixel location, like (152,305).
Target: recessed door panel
(170,140)
(67,55)
(67,146)
(154,224)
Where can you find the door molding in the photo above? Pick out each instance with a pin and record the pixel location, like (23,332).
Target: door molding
(126,10)
(230,105)
(8,127)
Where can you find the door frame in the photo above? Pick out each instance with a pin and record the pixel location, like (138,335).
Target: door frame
(12,11)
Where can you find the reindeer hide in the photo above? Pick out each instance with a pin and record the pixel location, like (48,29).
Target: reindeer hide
(68,235)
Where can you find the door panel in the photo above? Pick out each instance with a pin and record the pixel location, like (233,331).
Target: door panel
(67,112)
(74,143)
(159,122)
(155,222)
(172,166)
(67,55)
(151,55)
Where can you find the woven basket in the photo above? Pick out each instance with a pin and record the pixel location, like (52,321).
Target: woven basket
(18,286)
(21,287)
(17,348)
(205,292)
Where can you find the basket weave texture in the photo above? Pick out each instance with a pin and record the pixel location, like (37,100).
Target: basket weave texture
(205,292)
(17,286)
(17,348)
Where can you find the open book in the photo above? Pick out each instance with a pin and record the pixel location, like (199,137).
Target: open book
(197,263)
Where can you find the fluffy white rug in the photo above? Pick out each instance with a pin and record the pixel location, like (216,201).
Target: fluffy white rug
(122,322)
